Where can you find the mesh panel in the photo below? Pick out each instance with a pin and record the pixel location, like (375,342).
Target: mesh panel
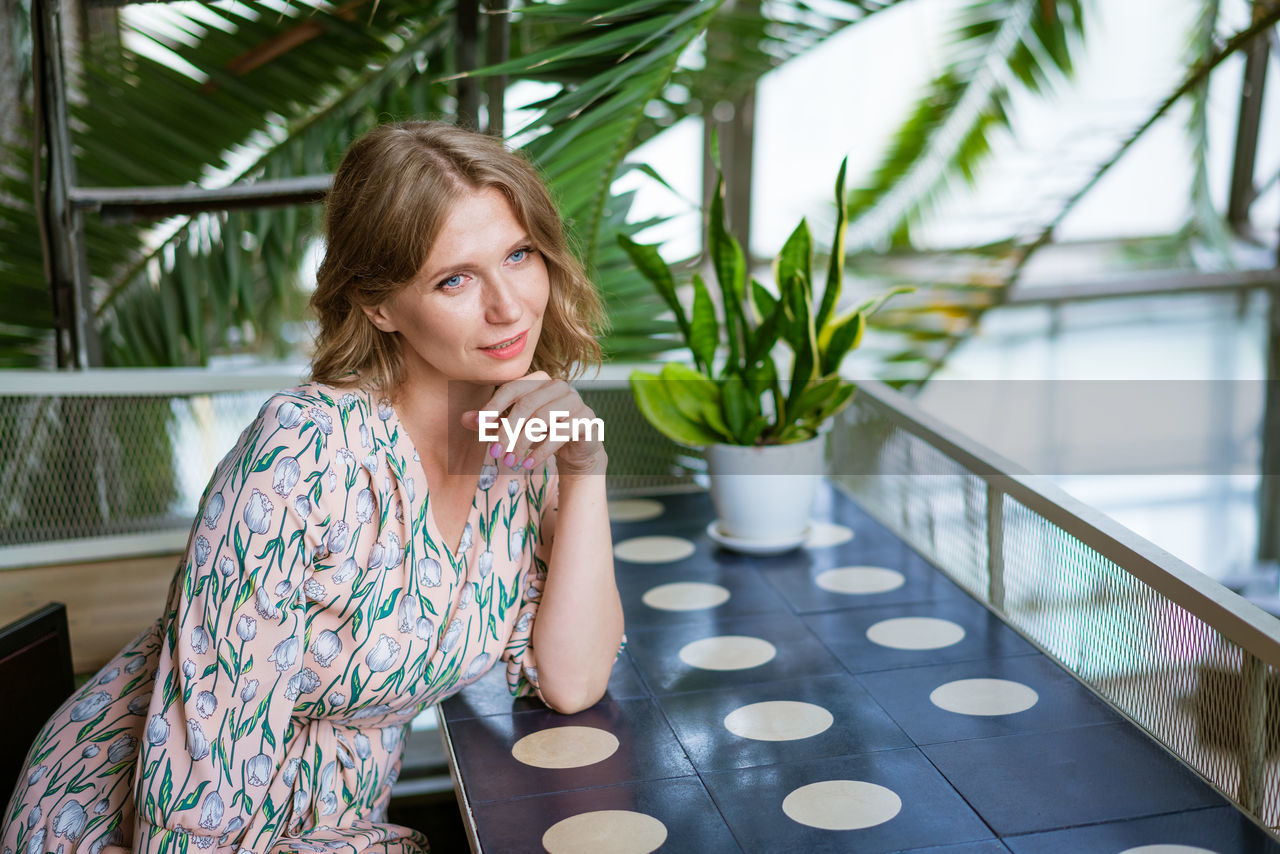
(1196,692)
(86,465)
(930,496)
(640,458)
(1207,700)
(83,466)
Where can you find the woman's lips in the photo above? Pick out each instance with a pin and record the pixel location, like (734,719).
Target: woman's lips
(513,347)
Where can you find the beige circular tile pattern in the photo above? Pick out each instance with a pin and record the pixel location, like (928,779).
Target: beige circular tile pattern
(616,831)
(565,747)
(778,720)
(656,549)
(727,652)
(824,534)
(1168,849)
(634,509)
(916,633)
(984,697)
(860,580)
(685,596)
(842,805)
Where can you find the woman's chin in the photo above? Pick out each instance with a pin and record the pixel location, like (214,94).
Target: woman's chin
(511,369)
(499,374)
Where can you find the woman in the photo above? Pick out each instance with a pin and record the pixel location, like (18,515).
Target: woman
(361,554)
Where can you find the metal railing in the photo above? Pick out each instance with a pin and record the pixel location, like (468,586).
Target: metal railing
(1192,663)
(110,463)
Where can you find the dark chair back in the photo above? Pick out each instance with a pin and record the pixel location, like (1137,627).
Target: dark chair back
(35,668)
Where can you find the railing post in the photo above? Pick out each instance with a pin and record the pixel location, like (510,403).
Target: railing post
(1253,735)
(995,545)
(468,20)
(1248,123)
(1269,481)
(497,50)
(61,223)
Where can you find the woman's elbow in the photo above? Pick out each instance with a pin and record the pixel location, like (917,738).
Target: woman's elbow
(571,699)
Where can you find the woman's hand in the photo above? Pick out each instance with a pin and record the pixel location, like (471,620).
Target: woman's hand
(537,396)
(578,628)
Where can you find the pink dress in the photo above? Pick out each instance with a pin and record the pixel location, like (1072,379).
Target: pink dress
(316,612)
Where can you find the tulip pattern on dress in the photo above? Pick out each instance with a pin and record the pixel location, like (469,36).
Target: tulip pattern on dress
(316,611)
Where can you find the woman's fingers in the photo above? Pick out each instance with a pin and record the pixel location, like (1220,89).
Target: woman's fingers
(535,417)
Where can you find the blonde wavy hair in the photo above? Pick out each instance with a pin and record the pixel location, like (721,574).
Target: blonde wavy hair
(390,198)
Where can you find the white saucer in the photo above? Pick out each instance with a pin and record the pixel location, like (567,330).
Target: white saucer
(756,547)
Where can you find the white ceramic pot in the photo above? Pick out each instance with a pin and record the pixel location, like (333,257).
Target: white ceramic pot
(765,492)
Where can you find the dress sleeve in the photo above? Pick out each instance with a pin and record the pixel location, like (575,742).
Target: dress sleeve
(230,670)
(543,495)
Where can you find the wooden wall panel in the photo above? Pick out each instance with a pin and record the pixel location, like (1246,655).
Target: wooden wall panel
(108,602)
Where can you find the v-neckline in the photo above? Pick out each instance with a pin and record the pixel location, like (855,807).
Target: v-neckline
(414,459)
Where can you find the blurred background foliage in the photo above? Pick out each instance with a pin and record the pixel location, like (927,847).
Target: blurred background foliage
(268,90)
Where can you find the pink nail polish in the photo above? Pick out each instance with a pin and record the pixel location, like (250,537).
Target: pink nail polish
(495,450)
(509,460)
(528,462)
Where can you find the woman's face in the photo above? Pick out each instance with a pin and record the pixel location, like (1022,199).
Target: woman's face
(474,311)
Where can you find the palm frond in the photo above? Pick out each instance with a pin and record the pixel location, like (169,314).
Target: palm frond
(745,41)
(608,74)
(925,360)
(241,268)
(279,95)
(999,44)
(1204,224)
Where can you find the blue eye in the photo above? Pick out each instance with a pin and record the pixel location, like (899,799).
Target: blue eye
(519,255)
(451,282)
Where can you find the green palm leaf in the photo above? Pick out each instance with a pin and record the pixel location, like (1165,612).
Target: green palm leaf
(295,88)
(947,133)
(933,331)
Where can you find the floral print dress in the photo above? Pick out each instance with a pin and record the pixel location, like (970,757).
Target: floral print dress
(316,611)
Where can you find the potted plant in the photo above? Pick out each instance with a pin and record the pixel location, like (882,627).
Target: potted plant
(762,435)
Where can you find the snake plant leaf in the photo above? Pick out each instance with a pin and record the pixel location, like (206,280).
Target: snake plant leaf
(754,430)
(813,397)
(762,300)
(653,398)
(787,302)
(737,413)
(731,269)
(797,432)
(704,333)
(835,269)
(653,268)
(844,336)
(765,336)
(803,341)
(796,255)
(836,403)
(871,305)
(797,327)
(761,376)
(695,395)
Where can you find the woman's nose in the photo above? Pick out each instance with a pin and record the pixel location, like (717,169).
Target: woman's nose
(502,304)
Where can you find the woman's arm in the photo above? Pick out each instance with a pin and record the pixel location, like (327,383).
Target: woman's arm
(579,624)
(578,628)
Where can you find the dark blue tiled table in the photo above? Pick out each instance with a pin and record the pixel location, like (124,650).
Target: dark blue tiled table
(1065,774)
